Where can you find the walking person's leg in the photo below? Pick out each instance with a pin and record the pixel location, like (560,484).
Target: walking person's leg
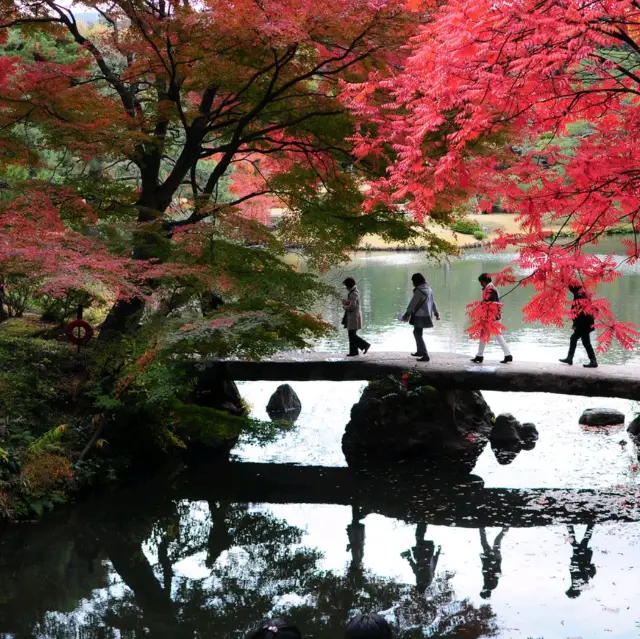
(503,344)
(478,359)
(353,342)
(505,349)
(362,344)
(573,343)
(586,342)
(421,347)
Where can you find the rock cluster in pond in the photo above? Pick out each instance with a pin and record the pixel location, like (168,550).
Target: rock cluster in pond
(601,417)
(284,404)
(508,437)
(407,420)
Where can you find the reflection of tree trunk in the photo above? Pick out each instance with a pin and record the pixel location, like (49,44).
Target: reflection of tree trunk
(220,539)
(136,572)
(165,562)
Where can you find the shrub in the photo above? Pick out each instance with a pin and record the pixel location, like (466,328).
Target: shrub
(58,309)
(19,292)
(479,235)
(466,226)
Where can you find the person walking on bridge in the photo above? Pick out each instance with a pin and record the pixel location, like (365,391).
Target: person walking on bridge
(421,309)
(352,319)
(490,295)
(582,328)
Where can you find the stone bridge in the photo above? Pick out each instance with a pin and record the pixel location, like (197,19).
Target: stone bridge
(445,370)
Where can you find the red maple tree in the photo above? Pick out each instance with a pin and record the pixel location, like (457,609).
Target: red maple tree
(178,124)
(534,104)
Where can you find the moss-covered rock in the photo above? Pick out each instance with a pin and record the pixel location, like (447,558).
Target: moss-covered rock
(398,420)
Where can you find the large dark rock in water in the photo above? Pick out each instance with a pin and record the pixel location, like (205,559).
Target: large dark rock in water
(392,423)
(601,417)
(284,404)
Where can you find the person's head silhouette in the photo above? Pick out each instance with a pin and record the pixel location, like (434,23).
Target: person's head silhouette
(368,627)
(275,629)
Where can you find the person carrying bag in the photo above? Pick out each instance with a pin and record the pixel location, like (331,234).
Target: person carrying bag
(421,309)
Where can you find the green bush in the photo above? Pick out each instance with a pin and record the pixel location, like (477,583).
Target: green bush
(479,235)
(466,226)
(626,229)
(19,293)
(59,309)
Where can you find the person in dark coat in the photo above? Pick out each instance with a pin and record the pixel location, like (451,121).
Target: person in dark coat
(422,308)
(352,319)
(582,328)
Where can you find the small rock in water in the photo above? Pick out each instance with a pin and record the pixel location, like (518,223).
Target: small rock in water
(634,427)
(505,430)
(527,432)
(284,404)
(601,417)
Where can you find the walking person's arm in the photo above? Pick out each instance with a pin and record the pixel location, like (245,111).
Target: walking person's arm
(436,312)
(351,303)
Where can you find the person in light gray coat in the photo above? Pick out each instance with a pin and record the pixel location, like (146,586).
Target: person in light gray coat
(352,319)
(421,309)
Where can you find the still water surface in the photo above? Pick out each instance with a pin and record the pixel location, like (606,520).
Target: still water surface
(202,561)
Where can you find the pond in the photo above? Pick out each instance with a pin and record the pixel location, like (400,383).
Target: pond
(210,554)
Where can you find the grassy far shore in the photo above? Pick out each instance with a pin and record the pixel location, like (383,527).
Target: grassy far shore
(489,223)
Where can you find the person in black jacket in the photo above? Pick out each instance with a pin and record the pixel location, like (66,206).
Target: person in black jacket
(582,328)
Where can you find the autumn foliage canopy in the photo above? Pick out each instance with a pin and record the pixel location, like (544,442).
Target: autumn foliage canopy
(141,153)
(142,161)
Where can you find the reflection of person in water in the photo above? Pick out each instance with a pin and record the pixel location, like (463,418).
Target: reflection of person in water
(581,567)
(491,559)
(355,532)
(424,559)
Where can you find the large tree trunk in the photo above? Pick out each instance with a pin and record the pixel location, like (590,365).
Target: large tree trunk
(151,243)
(123,318)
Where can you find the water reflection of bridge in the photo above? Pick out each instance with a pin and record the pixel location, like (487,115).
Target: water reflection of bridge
(69,548)
(411,495)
